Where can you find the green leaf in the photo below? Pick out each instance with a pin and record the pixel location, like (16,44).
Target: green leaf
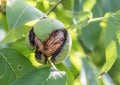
(41,6)
(111,55)
(5,24)
(88,5)
(107,80)
(70,78)
(88,73)
(42,76)
(112,41)
(110,5)
(111,30)
(80,15)
(22,47)
(64,18)
(67,4)
(117,29)
(90,36)
(12,65)
(115,72)
(18,13)
(104,6)
(80,19)
(77,6)
(52,1)
(83,5)
(56,78)
(98,10)
(118,47)
(16,34)
(77,46)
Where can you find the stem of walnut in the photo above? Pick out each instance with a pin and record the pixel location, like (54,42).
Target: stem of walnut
(53,7)
(49,61)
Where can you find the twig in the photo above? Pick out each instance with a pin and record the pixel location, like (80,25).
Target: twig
(53,7)
(101,75)
(2,10)
(87,22)
(2,6)
(49,61)
(96,19)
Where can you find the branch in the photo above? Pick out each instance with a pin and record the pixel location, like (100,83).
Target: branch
(2,6)
(96,19)
(85,23)
(2,10)
(53,7)
(49,61)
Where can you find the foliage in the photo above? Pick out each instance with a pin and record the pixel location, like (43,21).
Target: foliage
(94,26)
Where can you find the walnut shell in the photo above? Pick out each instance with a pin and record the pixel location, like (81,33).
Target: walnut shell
(50,40)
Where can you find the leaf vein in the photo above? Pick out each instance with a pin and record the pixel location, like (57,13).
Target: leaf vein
(17,20)
(10,65)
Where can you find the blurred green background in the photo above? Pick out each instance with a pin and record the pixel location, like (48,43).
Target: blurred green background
(88,50)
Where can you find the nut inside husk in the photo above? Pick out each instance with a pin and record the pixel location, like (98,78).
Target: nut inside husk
(51,47)
(32,37)
(50,40)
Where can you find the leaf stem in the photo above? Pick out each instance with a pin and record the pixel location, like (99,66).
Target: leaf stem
(53,7)
(86,22)
(96,19)
(49,61)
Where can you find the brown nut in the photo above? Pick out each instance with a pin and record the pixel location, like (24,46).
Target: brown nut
(50,40)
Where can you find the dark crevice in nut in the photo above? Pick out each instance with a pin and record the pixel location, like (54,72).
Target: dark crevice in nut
(60,48)
(54,41)
(31,37)
(38,55)
(46,59)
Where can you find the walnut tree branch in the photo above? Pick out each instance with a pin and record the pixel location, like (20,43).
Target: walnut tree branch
(53,7)
(2,10)
(3,6)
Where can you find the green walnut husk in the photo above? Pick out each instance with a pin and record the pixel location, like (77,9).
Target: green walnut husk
(28,44)
(42,30)
(45,27)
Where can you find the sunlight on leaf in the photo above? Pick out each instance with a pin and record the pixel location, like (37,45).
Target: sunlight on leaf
(18,13)
(112,41)
(43,76)
(70,78)
(88,5)
(111,55)
(16,34)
